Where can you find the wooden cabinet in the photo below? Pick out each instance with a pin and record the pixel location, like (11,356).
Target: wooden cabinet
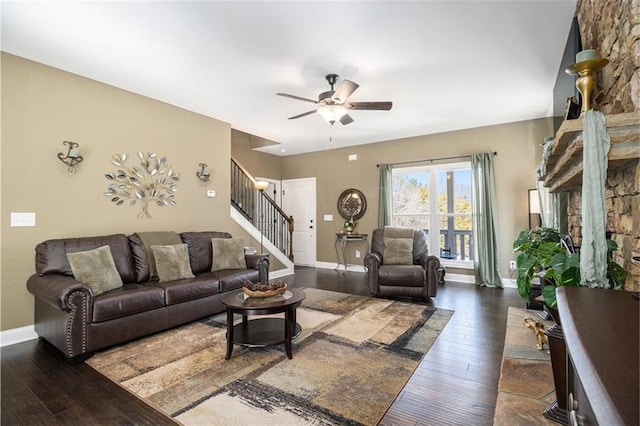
(601,333)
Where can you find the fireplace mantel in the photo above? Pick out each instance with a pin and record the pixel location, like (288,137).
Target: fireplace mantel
(564,165)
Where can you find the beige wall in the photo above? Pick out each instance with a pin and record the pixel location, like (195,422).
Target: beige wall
(41,107)
(257,163)
(517,144)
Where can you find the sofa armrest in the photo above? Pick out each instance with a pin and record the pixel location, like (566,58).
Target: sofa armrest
(372,262)
(431,264)
(428,261)
(63,311)
(56,289)
(254,260)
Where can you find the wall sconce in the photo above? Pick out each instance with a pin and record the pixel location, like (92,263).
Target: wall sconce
(534,209)
(203,174)
(73,156)
(261,185)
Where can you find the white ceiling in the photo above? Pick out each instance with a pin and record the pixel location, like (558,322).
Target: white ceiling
(446,65)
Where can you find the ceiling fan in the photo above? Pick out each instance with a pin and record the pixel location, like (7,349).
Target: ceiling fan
(333,106)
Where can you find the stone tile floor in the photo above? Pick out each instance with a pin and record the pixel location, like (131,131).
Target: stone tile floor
(526,380)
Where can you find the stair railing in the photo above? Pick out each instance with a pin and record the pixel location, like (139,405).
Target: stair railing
(261,210)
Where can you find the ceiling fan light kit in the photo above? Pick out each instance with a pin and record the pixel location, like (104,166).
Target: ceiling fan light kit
(332,113)
(332,105)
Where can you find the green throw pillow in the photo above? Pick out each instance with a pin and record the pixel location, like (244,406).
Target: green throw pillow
(172,262)
(228,253)
(398,251)
(95,268)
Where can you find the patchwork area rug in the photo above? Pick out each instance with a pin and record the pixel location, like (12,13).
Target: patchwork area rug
(352,359)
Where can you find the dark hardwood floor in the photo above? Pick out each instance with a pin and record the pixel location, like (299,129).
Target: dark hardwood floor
(455,384)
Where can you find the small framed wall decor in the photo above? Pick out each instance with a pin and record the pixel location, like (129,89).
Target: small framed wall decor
(572,109)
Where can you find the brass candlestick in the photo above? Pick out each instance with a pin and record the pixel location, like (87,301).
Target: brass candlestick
(586,81)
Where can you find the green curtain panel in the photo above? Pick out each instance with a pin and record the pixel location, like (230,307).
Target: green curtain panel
(553,208)
(560,217)
(485,240)
(546,205)
(384,196)
(593,250)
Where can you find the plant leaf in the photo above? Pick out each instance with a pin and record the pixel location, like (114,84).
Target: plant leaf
(549,293)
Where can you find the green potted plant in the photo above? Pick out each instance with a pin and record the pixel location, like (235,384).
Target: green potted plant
(544,253)
(549,255)
(536,248)
(565,270)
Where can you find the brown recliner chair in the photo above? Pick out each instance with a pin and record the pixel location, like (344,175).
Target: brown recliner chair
(419,279)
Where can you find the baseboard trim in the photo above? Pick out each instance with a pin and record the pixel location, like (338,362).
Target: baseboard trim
(280,273)
(333,265)
(509,283)
(471,279)
(460,278)
(17,335)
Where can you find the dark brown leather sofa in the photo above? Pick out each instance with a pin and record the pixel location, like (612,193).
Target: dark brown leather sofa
(417,280)
(69,316)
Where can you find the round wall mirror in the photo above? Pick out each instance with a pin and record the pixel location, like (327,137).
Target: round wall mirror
(352,203)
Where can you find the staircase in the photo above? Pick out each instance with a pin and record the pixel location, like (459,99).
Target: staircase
(258,213)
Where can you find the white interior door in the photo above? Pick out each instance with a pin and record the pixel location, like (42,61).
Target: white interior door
(299,201)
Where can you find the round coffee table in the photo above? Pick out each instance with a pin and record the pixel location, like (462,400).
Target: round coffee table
(260,332)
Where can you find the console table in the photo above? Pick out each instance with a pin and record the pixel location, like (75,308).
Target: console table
(343,240)
(601,332)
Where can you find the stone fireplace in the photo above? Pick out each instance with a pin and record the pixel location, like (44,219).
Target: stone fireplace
(623,207)
(612,28)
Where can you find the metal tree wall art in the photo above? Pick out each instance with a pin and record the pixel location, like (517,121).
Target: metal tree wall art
(152,181)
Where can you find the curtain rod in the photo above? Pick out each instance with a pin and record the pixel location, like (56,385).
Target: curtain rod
(435,159)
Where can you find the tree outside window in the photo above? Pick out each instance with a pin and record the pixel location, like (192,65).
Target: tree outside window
(449,211)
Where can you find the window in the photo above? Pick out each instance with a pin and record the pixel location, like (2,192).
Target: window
(437,197)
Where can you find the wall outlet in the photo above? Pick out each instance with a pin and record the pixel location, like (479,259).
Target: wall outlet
(512,265)
(357,254)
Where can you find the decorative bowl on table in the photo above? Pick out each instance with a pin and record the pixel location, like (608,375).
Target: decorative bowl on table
(264,289)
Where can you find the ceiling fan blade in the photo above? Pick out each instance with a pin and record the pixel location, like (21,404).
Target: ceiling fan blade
(346,119)
(302,115)
(381,106)
(297,97)
(346,88)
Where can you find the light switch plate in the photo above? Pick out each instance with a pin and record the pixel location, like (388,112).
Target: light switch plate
(23,219)
(211,193)
(328,217)
(353,157)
